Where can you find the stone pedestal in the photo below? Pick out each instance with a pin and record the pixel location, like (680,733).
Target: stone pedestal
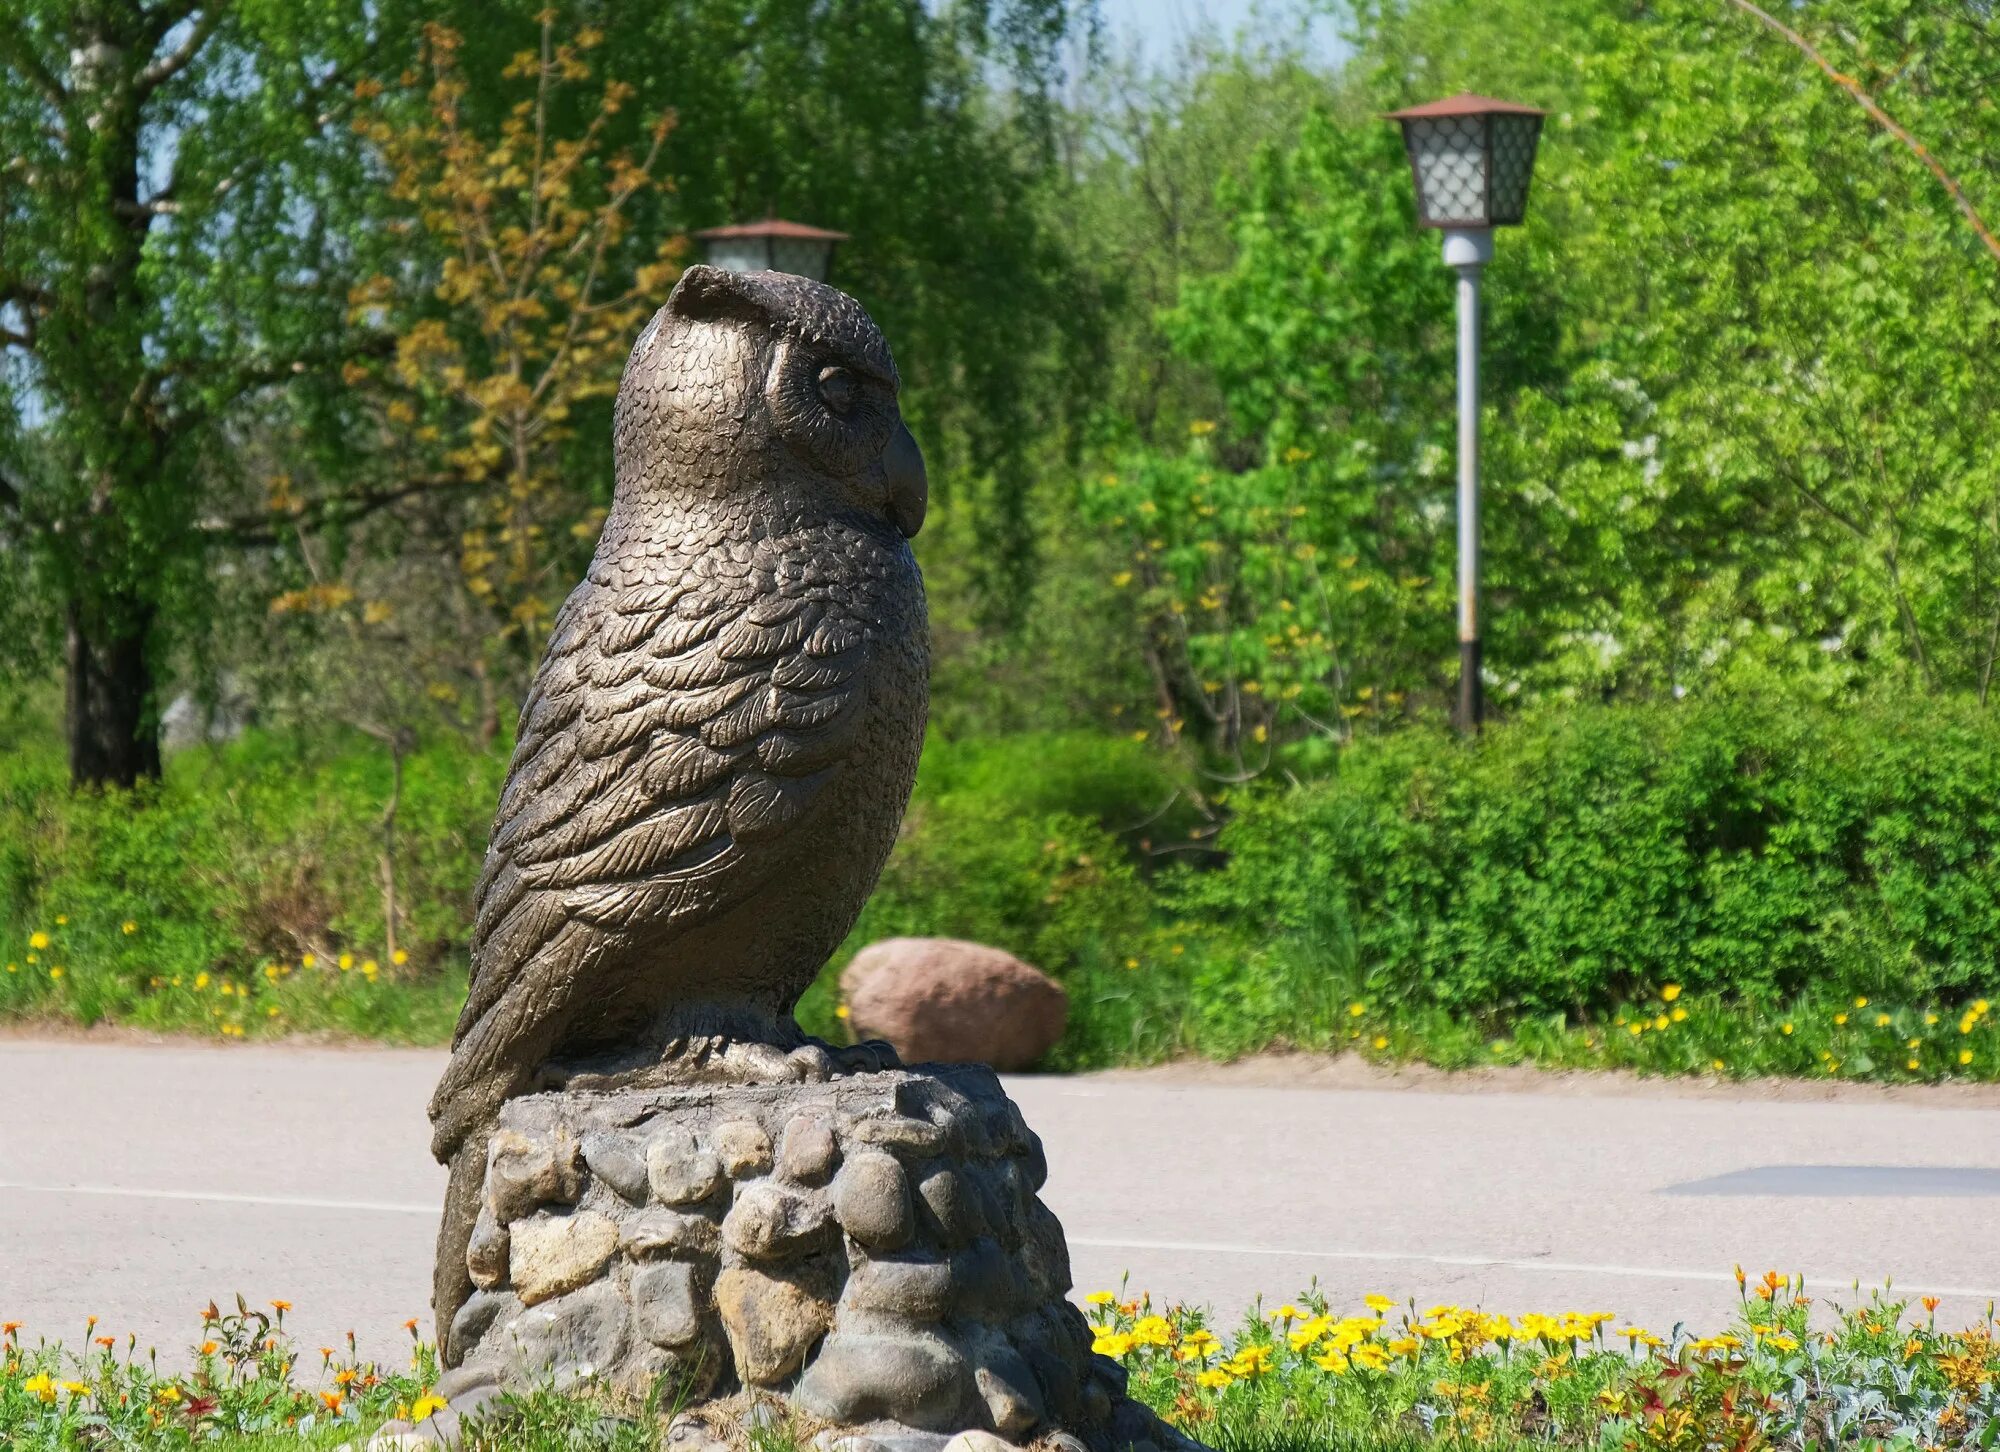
(870,1248)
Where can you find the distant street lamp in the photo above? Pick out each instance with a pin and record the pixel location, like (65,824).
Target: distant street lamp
(771,244)
(1472,158)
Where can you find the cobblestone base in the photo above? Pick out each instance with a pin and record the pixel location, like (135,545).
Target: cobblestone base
(870,1248)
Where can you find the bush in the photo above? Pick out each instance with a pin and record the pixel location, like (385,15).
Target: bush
(1570,862)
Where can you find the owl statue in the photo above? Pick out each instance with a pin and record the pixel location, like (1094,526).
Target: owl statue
(718,747)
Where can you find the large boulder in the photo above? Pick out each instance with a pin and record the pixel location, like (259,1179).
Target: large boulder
(947,1001)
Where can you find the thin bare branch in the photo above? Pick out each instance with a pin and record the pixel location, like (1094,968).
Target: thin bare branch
(166,67)
(1882,118)
(335,509)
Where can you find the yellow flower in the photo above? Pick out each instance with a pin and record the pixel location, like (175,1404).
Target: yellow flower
(1331,1361)
(1861,1003)
(1840,1018)
(426,1404)
(843,1012)
(1670,992)
(38,940)
(1378,1303)
(168,1393)
(1965,1056)
(129,927)
(56,972)
(1679,1014)
(1120,580)
(1635,1028)
(346,961)
(1881,1020)
(1405,1346)
(40,1386)
(1202,427)
(1786,1030)
(1287,1313)
(399,957)
(1381,1042)
(75,1388)
(1215,1379)
(1355,1010)
(201,980)
(308,961)
(1369,1356)
(1115,1343)
(1101,1298)
(1152,1331)
(62,920)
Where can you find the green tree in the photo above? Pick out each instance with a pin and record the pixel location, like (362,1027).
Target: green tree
(171,242)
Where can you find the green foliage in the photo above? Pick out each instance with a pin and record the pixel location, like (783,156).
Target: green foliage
(234,871)
(1754,848)
(1017,843)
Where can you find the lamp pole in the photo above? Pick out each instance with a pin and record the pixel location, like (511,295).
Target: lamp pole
(1466,252)
(1472,158)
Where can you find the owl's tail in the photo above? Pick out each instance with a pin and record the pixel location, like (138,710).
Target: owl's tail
(451,1285)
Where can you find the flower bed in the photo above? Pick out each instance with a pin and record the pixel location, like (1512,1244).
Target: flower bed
(1790,1374)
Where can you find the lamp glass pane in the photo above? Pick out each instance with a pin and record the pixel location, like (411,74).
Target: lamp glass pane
(1449,154)
(806,257)
(739,254)
(1514,139)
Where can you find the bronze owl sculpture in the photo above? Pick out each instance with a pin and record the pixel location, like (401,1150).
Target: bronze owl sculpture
(716,752)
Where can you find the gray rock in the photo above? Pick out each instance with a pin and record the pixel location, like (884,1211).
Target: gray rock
(953,1215)
(487,1252)
(1063,1442)
(1005,1383)
(900,1132)
(669,1232)
(552,1254)
(619,1163)
(974,1440)
(979,1279)
(743,1148)
(871,1199)
(918,1289)
(522,1175)
(1044,1254)
(481,1311)
(917,1378)
(681,1173)
(666,1302)
(769,1222)
(572,1338)
(696,1432)
(772,1321)
(808,1152)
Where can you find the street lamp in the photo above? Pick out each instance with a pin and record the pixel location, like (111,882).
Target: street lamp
(771,244)
(1472,158)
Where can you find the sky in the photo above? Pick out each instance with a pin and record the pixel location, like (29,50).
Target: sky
(1158,25)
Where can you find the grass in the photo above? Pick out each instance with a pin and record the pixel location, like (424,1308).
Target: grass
(1302,1377)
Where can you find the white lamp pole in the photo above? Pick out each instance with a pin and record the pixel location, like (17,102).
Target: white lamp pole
(1472,158)
(1467,251)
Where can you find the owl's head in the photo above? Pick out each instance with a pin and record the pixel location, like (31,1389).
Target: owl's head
(769,384)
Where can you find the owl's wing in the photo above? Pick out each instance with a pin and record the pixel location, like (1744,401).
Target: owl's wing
(673,737)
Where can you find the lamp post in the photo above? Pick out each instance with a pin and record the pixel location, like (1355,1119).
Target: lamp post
(772,244)
(1472,158)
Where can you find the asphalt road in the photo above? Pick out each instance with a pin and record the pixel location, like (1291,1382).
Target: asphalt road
(137,1182)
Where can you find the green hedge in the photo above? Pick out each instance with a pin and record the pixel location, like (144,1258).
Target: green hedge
(1565,865)
(1574,861)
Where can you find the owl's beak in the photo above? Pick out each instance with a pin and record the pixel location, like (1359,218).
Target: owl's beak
(909,486)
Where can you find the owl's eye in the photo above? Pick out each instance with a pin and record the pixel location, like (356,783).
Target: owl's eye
(839,388)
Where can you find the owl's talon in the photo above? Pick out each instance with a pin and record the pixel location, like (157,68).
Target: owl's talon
(814,1064)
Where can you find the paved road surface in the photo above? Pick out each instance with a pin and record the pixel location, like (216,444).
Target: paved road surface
(136,1182)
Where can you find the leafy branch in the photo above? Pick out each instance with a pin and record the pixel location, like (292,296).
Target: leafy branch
(1882,118)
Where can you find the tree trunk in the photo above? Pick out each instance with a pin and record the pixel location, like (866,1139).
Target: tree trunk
(110,714)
